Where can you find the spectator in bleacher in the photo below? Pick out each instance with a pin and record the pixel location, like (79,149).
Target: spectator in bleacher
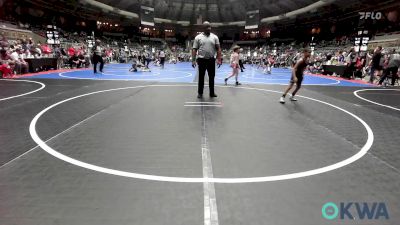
(341,57)
(350,63)
(24,45)
(27,54)
(46,50)
(5,58)
(30,43)
(21,66)
(392,67)
(3,41)
(35,51)
(328,60)
(71,51)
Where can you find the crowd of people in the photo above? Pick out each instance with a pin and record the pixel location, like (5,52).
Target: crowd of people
(376,65)
(75,53)
(13,55)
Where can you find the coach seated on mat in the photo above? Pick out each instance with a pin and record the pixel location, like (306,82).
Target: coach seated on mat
(74,61)
(84,58)
(138,66)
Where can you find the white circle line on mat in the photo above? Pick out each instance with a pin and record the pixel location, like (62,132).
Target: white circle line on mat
(376,103)
(24,94)
(48,149)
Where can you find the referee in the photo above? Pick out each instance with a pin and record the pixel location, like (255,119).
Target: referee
(98,56)
(205,47)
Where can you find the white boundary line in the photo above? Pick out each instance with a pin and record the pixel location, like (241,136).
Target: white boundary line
(210,199)
(190,75)
(280,74)
(376,103)
(264,78)
(133,74)
(285,84)
(63,132)
(28,93)
(211,103)
(45,147)
(192,105)
(133,79)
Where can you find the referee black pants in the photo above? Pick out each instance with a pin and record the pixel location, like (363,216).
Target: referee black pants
(209,66)
(97,59)
(241,65)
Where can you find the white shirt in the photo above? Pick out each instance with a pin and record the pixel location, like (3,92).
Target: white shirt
(98,50)
(14,56)
(162,54)
(206,45)
(235,58)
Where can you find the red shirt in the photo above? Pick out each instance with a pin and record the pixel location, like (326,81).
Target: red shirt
(6,70)
(46,49)
(109,53)
(71,51)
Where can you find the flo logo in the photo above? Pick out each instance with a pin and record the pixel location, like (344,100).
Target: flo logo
(370,15)
(355,210)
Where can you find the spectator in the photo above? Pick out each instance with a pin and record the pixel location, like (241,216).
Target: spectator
(5,58)
(21,66)
(35,52)
(85,57)
(3,42)
(392,67)
(46,50)
(341,57)
(7,70)
(71,51)
(350,63)
(30,44)
(360,64)
(376,67)
(74,61)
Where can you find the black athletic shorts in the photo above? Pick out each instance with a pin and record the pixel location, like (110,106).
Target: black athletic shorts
(299,80)
(162,60)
